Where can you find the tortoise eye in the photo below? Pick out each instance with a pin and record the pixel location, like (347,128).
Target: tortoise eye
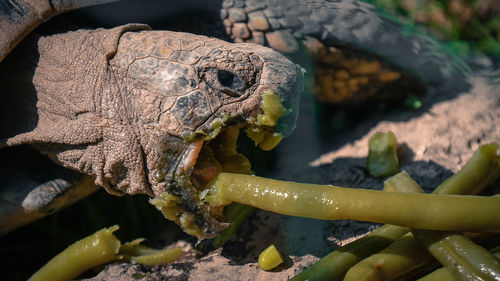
(227,79)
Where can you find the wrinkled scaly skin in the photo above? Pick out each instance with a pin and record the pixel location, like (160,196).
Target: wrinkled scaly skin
(118,104)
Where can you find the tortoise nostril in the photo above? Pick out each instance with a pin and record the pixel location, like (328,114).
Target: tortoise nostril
(226,78)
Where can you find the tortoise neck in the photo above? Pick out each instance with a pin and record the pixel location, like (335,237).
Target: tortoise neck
(70,73)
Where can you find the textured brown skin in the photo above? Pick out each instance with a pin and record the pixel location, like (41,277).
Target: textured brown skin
(116,104)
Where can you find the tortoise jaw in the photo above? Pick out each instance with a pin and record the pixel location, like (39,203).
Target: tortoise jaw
(204,158)
(184,200)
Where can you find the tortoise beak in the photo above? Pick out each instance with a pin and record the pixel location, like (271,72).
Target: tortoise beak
(290,81)
(282,77)
(285,79)
(291,99)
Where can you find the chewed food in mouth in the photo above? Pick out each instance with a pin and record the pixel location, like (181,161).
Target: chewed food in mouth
(210,155)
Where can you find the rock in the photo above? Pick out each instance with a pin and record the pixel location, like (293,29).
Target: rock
(254,5)
(223,14)
(314,46)
(282,41)
(309,26)
(258,37)
(258,23)
(274,23)
(290,22)
(237,15)
(273,13)
(240,30)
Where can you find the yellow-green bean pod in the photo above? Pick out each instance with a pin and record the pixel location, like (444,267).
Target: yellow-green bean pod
(334,265)
(98,248)
(461,256)
(464,259)
(482,169)
(442,274)
(159,256)
(401,259)
(134,251)
(332,203)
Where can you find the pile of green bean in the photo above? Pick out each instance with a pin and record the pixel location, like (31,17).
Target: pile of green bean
(395,252)
(402,249)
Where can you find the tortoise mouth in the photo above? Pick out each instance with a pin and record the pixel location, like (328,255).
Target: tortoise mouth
(219,155)
(205,158)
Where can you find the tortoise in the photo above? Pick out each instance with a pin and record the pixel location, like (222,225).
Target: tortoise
(181,127)
(130,107)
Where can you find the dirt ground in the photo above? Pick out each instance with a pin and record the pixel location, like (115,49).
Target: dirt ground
(436,140)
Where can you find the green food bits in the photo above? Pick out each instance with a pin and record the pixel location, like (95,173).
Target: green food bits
(383,155)
(270,258)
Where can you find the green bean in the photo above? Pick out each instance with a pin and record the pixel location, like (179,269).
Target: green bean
(402,182)
(481,170)
(331,203)
(236,214)
(98,248)
(406,255)
(442,274)
(401,258)
(334,265)
(461,256)
(457,253)
(474,176)
(159,256)
(464,259)
(134,251)
(383,155)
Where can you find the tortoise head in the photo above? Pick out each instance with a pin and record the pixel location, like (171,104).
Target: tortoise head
(189,96)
